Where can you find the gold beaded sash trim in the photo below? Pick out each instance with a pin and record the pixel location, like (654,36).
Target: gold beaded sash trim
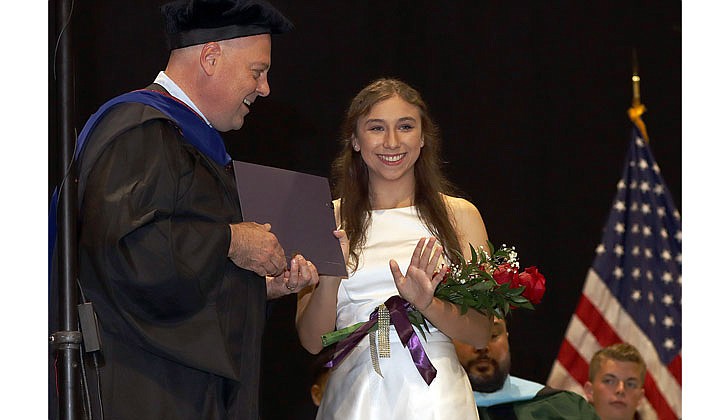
(383,331)
(379,339)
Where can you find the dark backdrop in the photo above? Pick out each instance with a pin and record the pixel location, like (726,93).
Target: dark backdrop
(531,98)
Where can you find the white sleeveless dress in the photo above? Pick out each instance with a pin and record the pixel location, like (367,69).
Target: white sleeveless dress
(355,390)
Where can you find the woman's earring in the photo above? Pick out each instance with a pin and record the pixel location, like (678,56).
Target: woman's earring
(356,147)
(422,143)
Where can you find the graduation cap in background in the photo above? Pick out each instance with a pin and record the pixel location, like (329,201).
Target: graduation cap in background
(192,22)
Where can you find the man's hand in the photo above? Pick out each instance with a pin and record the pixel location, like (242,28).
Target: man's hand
(301,275)
(253,247)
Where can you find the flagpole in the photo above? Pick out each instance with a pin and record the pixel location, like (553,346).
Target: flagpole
(637,109)
(67,341)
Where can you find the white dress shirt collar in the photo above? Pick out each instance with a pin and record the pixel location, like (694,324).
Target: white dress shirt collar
(174,90)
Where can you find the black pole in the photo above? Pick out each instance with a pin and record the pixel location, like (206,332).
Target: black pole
(67,341)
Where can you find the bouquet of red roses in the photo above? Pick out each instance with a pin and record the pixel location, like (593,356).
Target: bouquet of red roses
(490,283)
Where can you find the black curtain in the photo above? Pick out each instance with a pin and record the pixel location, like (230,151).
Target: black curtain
(531,99)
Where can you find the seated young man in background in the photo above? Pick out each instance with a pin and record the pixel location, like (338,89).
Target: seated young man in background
(616,382)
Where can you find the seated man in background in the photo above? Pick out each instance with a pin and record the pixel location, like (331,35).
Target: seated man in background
(616,382)
(502,396)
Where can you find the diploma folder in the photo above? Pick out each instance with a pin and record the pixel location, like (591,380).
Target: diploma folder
(299,209)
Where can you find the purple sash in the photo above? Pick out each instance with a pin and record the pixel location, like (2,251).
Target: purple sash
(398,314)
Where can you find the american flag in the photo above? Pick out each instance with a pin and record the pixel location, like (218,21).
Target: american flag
(633,291)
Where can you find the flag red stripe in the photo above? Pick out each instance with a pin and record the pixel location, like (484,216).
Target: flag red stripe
(573,362)
(657,400)
(593,319)
(675,367)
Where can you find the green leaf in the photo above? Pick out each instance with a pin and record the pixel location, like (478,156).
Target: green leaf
(527,305)
(491,248)
(418,321)
(461,260)
(519,299)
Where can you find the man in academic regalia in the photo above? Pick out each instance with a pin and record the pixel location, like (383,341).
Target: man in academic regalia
(500,396)
(178,281)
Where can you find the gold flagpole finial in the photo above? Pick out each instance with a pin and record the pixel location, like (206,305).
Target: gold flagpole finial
(635,80)
(637,109)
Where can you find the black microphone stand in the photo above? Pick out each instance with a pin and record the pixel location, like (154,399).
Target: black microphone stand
(67,341)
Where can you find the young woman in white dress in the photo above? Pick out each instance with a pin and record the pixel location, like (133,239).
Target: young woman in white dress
(395,209)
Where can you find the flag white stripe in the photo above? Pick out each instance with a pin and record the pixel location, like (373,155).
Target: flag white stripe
(647,412)
(582,339)
(560,378)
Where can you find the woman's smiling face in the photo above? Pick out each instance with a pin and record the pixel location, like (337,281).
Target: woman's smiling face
(389,139)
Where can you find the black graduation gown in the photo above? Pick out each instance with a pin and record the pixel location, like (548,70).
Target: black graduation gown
(181,325)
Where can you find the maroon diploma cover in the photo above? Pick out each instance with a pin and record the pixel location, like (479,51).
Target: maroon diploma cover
(299,209)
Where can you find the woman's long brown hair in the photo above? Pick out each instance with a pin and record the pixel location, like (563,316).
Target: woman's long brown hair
(350,175)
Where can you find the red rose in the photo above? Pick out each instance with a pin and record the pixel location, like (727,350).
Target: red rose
(506,273)
(535,284)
